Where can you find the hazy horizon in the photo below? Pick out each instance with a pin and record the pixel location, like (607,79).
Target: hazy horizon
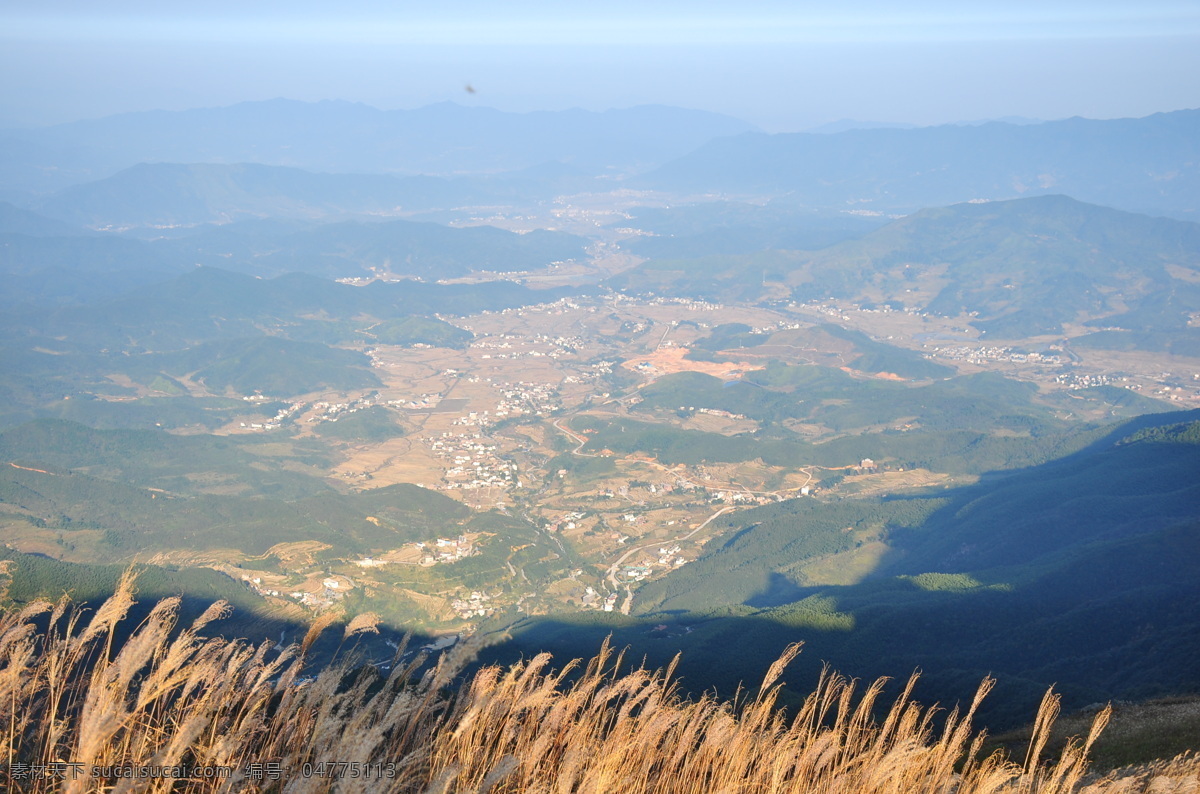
(780,67)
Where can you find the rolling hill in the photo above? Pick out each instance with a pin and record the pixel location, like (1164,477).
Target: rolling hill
(229,331)
(730,228)
(1144,165)
(1022,268)
(62,269)
(345,137)
(401,248)
(206,304)
(167,195)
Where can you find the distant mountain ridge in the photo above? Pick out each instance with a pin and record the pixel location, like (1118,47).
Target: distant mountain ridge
(842,125)
(14,220)
(1150,164)
(190,194)
(337,136)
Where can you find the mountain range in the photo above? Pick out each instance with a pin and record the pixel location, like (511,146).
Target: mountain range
(477,154)
(1148,165)
(345,137)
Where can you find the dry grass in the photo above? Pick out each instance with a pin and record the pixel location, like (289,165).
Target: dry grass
(1137,733)
(170,699)
(392,462)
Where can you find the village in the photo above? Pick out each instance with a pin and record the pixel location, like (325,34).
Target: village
(985,353)
(486,429)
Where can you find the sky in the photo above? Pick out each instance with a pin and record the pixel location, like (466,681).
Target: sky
(784,66)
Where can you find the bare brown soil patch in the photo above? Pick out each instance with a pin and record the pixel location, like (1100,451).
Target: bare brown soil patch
(669,360)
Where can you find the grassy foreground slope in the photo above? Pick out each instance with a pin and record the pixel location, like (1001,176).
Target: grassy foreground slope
(176,712)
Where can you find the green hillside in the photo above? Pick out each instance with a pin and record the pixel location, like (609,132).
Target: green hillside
(1080,571)
(76,494)
(725,228)
(68,269)
(1022,267)
(715,277)
(113,362)
(375,423)
(32,576)
(965,424)
(409,331)
(209,303)
(166,194)
(404,248)
(270,365)
(136,519)
(1025,266)
(181,464)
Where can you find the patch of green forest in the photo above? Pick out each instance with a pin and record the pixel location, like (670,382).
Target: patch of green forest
(373,423)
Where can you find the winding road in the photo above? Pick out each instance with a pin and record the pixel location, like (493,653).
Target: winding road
(612,569)
(627,604)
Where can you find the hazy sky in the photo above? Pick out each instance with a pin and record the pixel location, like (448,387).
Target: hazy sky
(781,65)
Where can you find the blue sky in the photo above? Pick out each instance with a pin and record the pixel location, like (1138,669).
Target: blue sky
(782,65)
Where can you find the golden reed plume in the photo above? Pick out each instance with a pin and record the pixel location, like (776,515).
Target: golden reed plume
(169,710)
